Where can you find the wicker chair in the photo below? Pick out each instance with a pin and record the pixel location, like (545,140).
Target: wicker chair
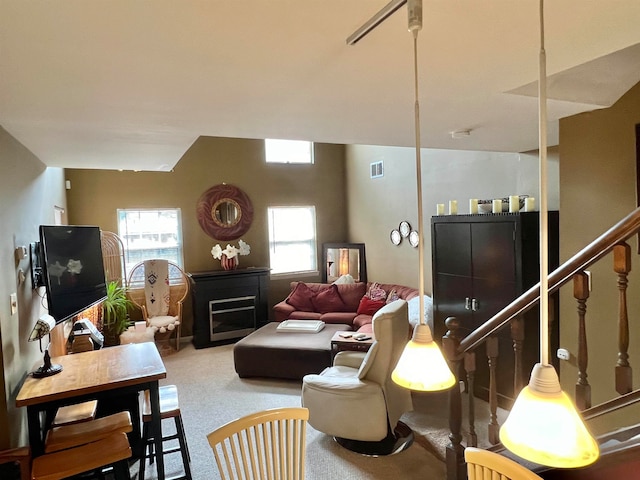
(178,289)
(113,257)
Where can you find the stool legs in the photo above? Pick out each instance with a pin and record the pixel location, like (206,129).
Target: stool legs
(148,451)
(184,450)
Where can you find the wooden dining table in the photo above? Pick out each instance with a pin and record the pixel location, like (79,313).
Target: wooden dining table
(98,374)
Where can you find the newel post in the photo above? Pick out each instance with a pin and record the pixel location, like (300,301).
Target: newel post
(456,467)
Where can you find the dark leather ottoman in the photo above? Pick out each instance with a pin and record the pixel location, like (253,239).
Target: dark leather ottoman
(291,355)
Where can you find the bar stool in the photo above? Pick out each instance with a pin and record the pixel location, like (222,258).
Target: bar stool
(68,436)
(169,408)
(77,413)
(112,450)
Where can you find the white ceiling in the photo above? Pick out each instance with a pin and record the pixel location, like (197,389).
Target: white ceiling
(130,84)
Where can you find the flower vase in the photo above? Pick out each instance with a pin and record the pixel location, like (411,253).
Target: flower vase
(229,263)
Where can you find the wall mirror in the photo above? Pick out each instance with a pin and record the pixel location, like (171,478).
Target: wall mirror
(224,212)
(344,258)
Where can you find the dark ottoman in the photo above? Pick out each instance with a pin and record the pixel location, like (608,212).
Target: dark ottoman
(291,355)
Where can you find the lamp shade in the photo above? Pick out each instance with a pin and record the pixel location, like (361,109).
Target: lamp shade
(544,426)
(43,327)
(422,366)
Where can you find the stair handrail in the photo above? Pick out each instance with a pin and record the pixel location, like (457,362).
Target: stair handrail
(586,257)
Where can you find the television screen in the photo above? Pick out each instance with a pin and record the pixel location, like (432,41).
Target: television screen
(73,268)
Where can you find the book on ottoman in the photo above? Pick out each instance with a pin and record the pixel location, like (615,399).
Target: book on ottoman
(300,326)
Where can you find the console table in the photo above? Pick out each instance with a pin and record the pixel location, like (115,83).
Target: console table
(228,304)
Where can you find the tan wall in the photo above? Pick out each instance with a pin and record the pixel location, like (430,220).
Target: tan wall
(96,194)
(28,192)
(378,205)
(598,177)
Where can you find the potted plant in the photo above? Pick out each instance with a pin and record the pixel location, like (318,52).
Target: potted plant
(115,312)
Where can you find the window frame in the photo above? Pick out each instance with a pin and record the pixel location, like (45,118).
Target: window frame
(313,242)
(272,161)
(180,239)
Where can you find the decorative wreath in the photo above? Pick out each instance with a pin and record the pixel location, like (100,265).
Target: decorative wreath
(207,206)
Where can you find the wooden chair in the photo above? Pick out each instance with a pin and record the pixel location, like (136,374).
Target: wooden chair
(169,408)
(484,464)
(113,450)
(267,444)
(20,456)
(178,289)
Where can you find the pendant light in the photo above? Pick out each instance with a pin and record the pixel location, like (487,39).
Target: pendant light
(422,365)
(544,426)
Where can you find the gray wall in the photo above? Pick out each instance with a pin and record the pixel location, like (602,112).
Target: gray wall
(378,205)
(28,193)
(598,177)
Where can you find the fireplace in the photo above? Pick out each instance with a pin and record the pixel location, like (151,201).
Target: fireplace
(228,304)
(232,317)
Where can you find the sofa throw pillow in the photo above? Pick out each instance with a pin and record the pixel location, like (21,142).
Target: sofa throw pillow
(393,296)
(376,292)
(302,298)
(368,306)
(329,300)
(345,279)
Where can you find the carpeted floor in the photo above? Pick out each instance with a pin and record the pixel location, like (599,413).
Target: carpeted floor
(211,394)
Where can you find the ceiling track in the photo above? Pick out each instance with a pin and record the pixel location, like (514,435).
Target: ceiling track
(374,21)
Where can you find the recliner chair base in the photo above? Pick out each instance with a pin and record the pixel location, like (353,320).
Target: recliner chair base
(395,442)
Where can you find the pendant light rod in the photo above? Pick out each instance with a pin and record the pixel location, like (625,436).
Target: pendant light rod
(544,223)
(374,21)
(419,179)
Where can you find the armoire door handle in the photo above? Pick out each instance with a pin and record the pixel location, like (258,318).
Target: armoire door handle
(467,303)
(474,305)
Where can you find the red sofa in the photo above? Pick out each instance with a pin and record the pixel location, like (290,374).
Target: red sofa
(331,303)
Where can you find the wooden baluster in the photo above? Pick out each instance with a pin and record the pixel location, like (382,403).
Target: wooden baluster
(517,336)
(456,466)
(492,356)
(581,294)
(622,266)
(470,368)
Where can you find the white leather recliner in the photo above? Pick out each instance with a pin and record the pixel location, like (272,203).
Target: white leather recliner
(355,400)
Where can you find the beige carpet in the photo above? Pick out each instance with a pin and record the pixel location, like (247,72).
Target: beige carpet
(211,394)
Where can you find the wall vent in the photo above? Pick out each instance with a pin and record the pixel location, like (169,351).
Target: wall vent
(377,169)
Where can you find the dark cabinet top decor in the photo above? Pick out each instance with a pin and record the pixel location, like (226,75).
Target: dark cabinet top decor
(224,212)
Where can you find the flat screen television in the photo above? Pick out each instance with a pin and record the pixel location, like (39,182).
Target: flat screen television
(72,269)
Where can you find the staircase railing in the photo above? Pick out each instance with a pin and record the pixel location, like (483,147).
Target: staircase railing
(461,351)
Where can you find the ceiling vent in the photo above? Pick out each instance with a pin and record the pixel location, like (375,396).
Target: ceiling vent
(377,169)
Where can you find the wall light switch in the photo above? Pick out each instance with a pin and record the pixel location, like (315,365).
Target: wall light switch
(13,299)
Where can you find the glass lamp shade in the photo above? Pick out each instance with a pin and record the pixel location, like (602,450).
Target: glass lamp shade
(544,426)
(422,366)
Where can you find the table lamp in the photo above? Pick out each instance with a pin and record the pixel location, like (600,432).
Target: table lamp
(43,326)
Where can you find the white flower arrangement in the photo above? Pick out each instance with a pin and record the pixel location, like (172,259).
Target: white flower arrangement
(231,251)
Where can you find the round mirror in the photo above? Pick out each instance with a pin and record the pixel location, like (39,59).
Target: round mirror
(224,212)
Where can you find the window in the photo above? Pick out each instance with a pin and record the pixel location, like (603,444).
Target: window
(288,151)
(292,239)
(153,233)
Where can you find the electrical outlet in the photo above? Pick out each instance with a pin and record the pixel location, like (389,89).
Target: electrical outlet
(13,299)
(563,354)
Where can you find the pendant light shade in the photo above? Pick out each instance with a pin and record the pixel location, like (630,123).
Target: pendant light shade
(422,366)
(544,426)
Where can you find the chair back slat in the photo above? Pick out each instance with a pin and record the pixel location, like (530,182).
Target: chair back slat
(266,445)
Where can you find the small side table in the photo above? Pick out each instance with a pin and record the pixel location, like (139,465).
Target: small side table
(340,344)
